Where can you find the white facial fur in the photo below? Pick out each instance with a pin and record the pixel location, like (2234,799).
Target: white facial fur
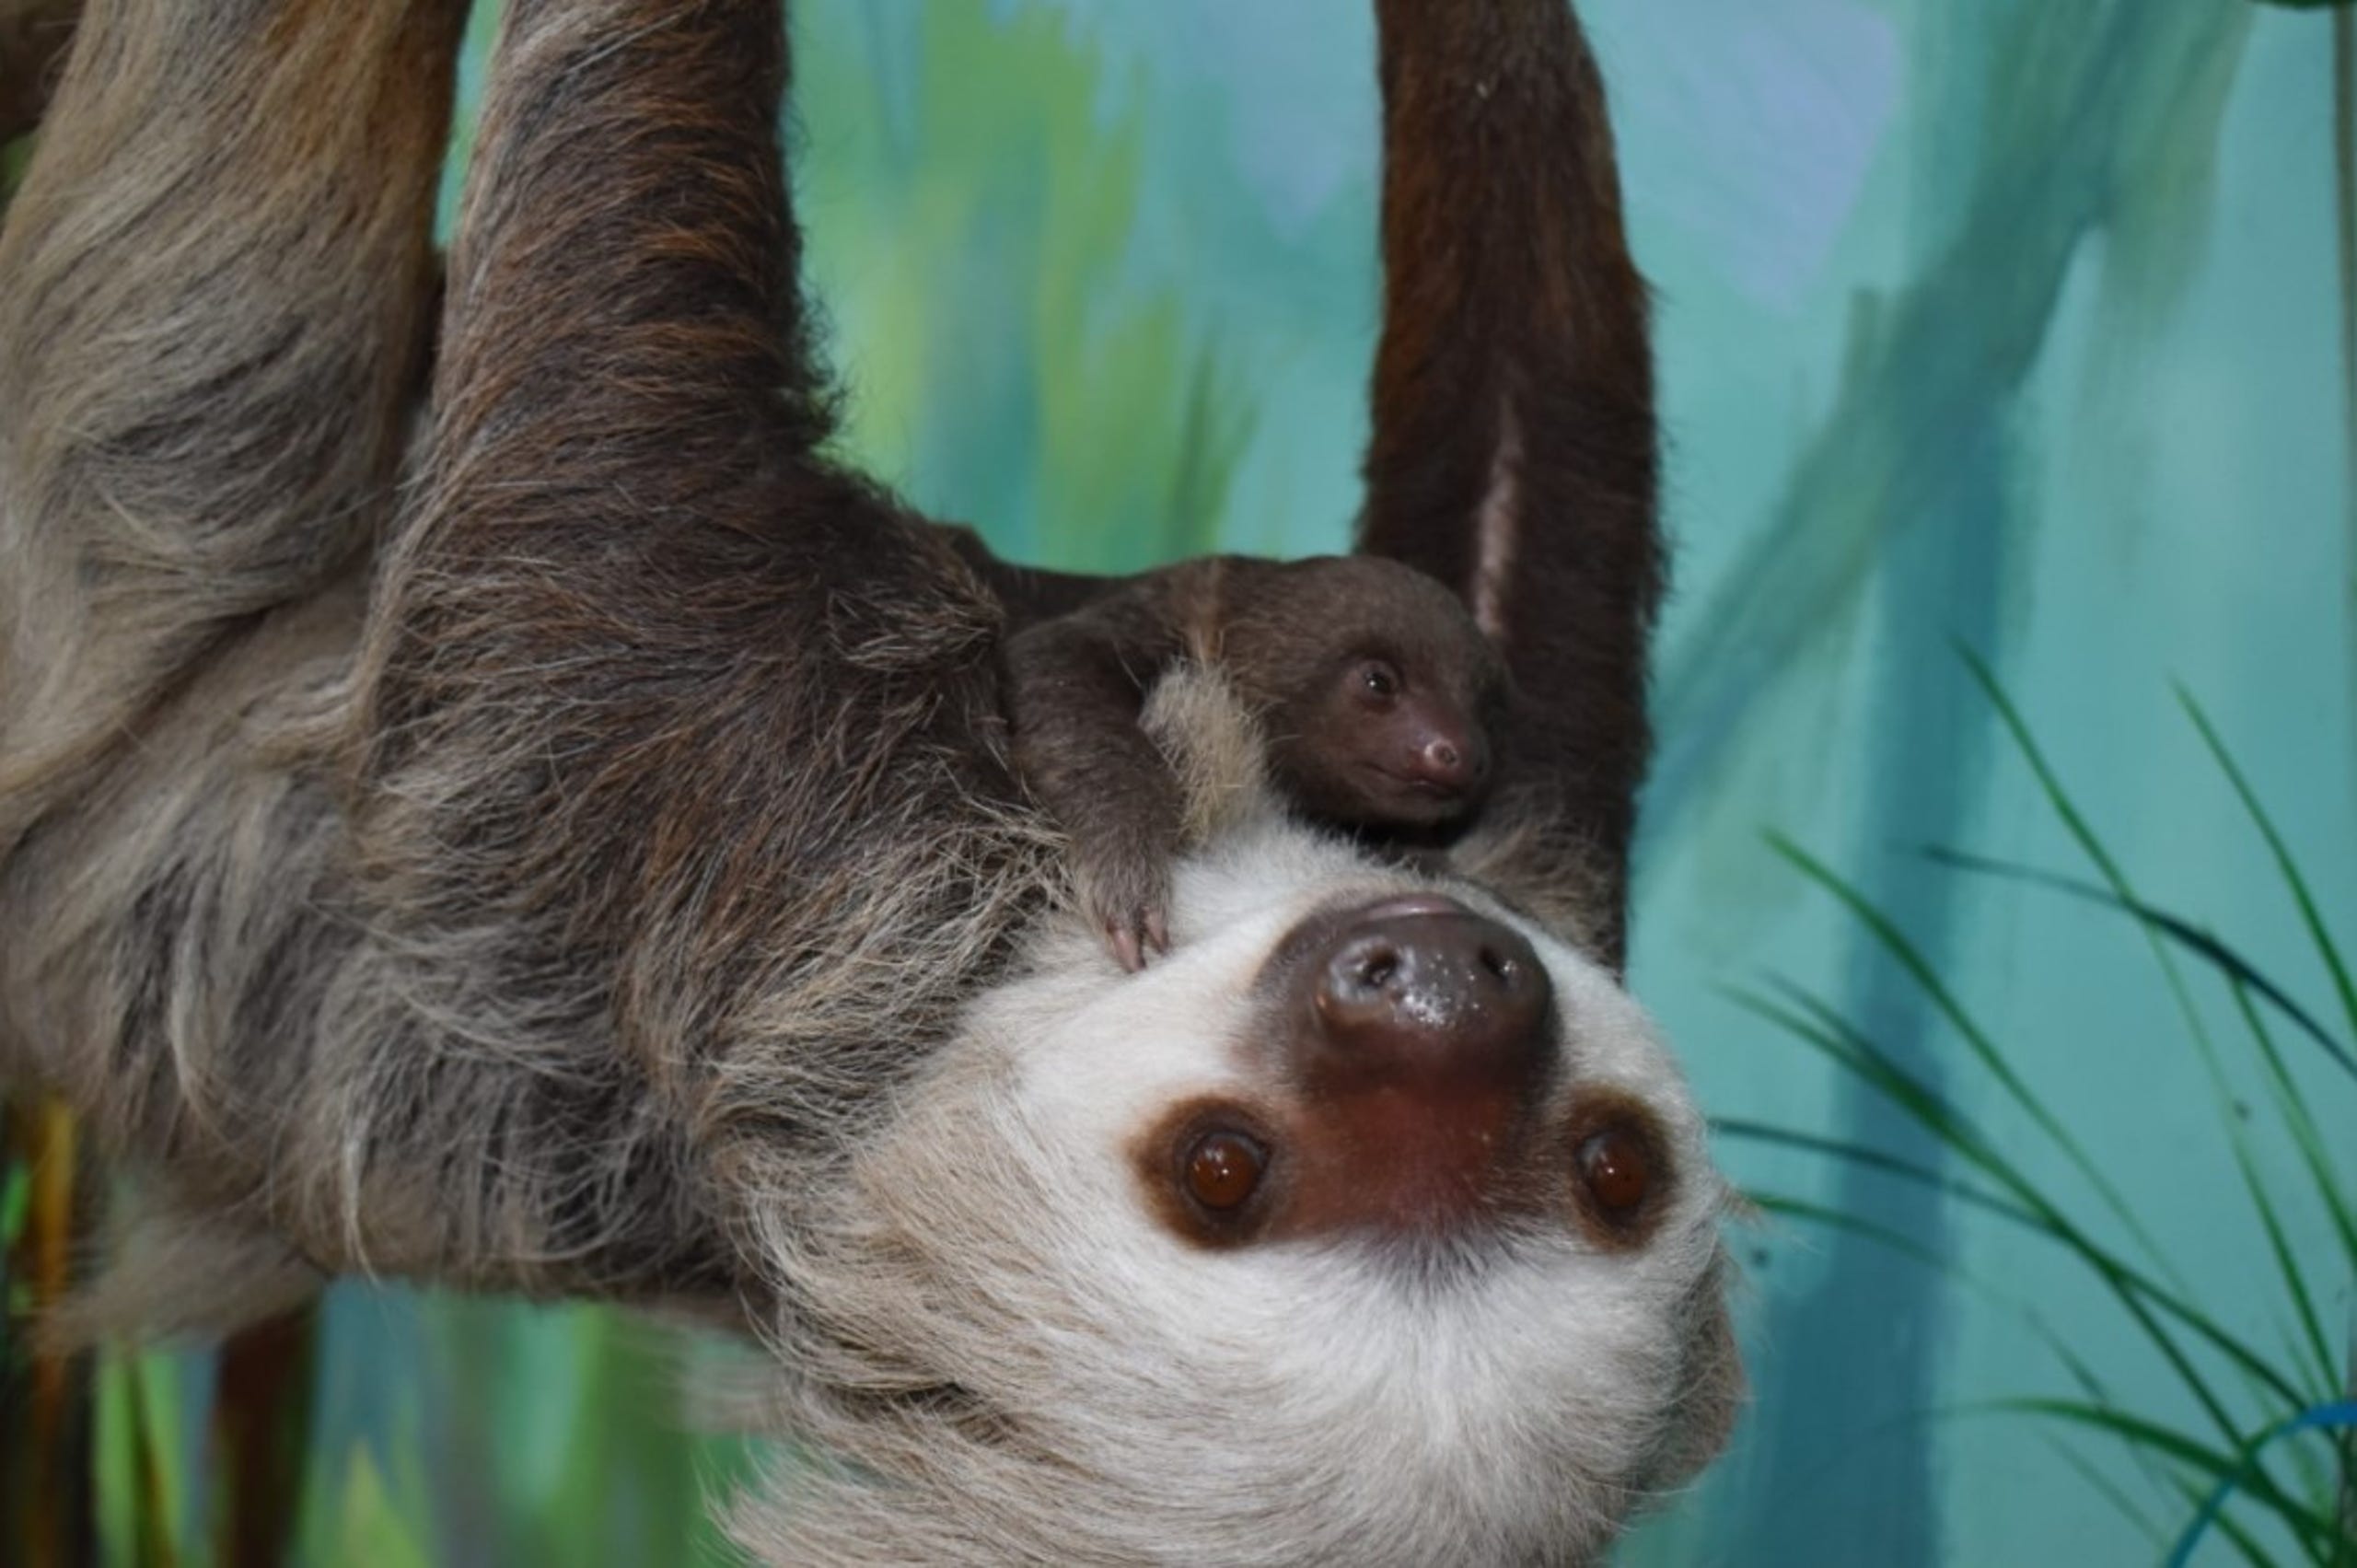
(1277,1403)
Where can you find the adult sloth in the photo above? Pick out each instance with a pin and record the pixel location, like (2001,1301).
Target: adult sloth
(558,836)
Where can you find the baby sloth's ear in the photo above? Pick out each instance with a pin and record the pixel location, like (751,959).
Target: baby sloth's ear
(1206,730)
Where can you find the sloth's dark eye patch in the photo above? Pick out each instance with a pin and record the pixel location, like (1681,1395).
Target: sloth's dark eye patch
(1213,1171)
(1616,1166)
(1224,1169)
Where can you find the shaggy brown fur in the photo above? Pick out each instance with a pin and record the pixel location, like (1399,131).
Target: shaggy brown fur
(569,843)
(1373,689)
(1513,393)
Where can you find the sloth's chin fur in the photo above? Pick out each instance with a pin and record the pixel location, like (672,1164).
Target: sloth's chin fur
(1005,1356)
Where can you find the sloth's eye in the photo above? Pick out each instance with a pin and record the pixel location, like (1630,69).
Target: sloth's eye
(1377,679)
(1223,1170)
(1618,1168)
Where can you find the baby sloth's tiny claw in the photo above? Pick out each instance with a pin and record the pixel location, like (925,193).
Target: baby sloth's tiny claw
(1134,933)
(1128,951)
(1127,894)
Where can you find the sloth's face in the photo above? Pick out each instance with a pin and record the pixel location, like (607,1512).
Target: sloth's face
(1341,1056)
(1373,1212)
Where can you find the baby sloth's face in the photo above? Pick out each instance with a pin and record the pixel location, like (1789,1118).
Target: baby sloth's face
(1396,740)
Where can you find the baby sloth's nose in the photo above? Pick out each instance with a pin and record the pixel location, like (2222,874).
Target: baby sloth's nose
(1424,995)
(1446,762)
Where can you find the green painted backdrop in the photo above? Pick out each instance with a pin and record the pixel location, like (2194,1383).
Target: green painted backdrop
(2014,331)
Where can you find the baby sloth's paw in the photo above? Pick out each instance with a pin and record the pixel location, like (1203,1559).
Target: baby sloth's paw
(1127,893)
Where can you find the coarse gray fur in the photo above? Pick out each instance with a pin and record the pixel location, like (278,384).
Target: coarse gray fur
(564,843)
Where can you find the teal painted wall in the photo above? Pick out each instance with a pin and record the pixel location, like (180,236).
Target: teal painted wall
(2016,325)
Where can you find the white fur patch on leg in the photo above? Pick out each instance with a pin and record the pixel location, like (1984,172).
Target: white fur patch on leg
(1205,728)
(1497,532)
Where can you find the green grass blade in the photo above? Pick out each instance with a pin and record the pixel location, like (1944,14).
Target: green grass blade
(2202,944)
(1873,1159)
(2310,915)
(2295,1281)
(2242,976)
(2229,1527)
(2312,1527)
(1911,960)
(2305,1136)
(2139,1293)
(1787,1207)
(1905,1246)
(2056,797)
(2332,1416)
(1858,1155)
(2082,832)
(2101,1485)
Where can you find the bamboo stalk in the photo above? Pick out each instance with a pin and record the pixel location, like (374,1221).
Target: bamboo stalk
(261,1420)
(45,1399)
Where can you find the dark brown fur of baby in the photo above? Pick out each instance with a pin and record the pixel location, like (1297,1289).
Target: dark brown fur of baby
(1374,691)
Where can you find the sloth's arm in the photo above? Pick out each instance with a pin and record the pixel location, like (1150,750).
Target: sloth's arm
(673,734)
(633,618)
(1028,594)
(1076,684)
(1514,449)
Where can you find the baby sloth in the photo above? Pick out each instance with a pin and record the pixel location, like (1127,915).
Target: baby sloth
(1372,684)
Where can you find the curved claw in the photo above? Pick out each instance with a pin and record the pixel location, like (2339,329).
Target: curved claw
(1128,950)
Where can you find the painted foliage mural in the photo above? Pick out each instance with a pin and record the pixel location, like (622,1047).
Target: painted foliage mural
(1999,883)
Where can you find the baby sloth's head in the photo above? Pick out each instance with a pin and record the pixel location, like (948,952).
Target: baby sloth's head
(1377,690)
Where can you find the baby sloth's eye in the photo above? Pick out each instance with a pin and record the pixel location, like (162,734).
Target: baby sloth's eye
(1224,1169)
(1378,679)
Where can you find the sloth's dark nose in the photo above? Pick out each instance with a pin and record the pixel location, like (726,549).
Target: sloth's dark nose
(1422,994)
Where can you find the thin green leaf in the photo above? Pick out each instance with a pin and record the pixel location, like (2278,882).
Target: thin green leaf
(2303,1520)
(1911,960)
(1923,1176)
(2228,1526)
(1938,1262)
(2336,1415)
(2295,1281)
(1945,1265)
(1873,1159)
(2133,1289)
(1786,1207)
(2082,832)
(2241,976)
(2203,945)
(2305,1136)
(2309,915)
(2101,1484)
